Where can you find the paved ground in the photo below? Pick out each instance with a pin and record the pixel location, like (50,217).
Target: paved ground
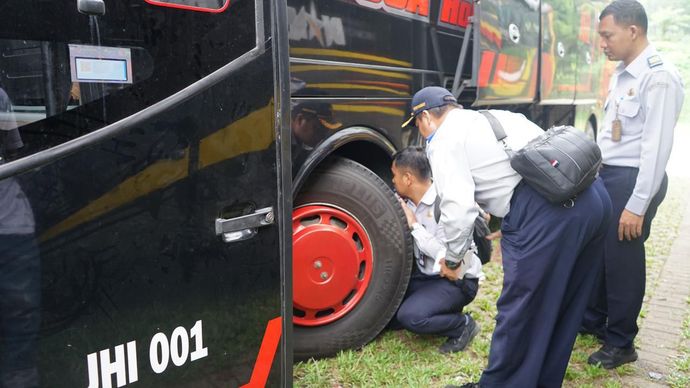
(660,331)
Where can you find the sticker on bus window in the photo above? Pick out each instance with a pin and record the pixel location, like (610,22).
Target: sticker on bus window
(213,6)
(98,64)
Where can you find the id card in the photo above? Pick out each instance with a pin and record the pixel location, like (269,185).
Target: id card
(616,130)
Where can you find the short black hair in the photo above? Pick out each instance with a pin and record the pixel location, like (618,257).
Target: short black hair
(414,159)
(627,12)
(441,110)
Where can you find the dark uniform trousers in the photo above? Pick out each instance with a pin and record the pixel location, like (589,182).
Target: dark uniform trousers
(20,304)
(621,286)
(433,305)
(550,253)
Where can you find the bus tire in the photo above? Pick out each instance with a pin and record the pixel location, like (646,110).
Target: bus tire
(350,244)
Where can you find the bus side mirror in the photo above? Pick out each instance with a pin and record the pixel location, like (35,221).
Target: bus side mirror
(91,7)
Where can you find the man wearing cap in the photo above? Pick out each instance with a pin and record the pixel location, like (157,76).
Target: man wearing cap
(548,249)
(641,111)
(432,304)
(311,122)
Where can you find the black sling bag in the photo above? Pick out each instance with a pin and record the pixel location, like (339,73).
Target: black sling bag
(558,164)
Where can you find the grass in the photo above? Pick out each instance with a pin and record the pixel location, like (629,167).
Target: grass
(680,374)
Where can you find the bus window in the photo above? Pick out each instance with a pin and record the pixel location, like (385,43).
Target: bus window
(79,75)
(66,74)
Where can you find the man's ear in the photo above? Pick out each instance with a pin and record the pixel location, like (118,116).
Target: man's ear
(409,178)
(634,31)
(405,177)
(426,116)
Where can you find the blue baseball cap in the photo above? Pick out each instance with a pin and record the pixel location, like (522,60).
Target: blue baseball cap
(428,98)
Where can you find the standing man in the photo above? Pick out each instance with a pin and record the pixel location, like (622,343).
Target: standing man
(436,295)
(642,108)
(548,249)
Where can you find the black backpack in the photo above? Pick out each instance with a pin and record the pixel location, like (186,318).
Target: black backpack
(558,164)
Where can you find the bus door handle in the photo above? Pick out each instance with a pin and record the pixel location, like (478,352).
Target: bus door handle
(244,227)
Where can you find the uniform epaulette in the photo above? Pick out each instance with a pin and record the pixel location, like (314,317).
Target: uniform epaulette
(654,61)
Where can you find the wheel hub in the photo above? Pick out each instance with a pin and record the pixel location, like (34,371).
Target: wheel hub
(332,264)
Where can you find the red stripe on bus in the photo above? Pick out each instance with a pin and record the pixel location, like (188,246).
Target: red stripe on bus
(189,7)
(486,64)
(267,352)
(501,65)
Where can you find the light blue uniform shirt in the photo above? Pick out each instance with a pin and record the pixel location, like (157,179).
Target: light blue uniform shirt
(428,237)
(646,96)
(470,167)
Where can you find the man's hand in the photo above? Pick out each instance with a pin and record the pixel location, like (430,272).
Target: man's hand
(629,226)
(450,274)
(411,219)
(494,236)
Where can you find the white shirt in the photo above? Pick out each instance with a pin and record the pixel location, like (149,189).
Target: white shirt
(647,97)
(470,167)
(428,237)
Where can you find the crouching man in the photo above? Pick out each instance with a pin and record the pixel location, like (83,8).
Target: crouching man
(436,295)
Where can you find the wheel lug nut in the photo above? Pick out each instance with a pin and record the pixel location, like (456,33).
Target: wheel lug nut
(324,275)
(317,264)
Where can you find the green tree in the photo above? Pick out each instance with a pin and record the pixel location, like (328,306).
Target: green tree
(668,19)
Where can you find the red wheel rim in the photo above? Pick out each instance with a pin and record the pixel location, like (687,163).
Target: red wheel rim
(332,262)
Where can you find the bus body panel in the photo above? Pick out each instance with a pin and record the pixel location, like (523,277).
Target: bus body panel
(508,52)
(560,52)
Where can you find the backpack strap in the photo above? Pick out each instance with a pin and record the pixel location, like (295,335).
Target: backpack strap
(499,132)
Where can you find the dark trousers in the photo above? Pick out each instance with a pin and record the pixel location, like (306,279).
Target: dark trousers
(433,305)
(617,299)
(20,303)
(550,258)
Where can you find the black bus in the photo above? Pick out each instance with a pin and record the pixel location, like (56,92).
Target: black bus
(195,192)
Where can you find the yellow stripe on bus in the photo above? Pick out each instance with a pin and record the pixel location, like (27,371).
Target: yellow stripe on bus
(251,133)
(368,109)
(347,54)
(248,134)
(358,87)
(155,177)
(389,74)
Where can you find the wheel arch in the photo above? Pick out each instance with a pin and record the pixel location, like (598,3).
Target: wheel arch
(360,144)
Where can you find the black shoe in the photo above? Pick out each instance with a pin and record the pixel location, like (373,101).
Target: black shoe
(468,385)
(457,344)
(599,333)
(612,357)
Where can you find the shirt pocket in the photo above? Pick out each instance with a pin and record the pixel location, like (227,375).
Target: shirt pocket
(629,108)
(629,113)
